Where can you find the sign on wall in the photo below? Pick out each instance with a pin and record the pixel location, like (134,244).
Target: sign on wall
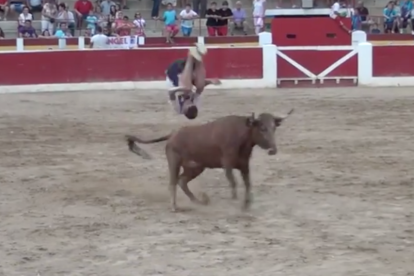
(122,42)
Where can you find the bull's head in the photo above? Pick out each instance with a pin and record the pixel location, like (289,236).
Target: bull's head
(264,128)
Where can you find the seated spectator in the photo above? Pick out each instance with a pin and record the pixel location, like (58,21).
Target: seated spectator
(66,16)
(45,34)
(106,6)
(27,31)
(91,22)
(213,16)
(169,18)
(356,22)
(223,22)
(406,8)
(375,29)
(112,11)
(82,10)
(390,19)
(363,11)
(239,19)
(187,17)
(2,36)
(123,27)
(25,15)
(102,19)
(63,31)
(259,14)
(139,24)
(49,14)
(4,8)
(99,40)
(34,5)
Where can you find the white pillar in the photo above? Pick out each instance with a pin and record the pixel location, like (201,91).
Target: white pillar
(365,58)
(269,66)
(200,39)
(62,43)
(141,40)
(19,44)
(81,43)
(265,38)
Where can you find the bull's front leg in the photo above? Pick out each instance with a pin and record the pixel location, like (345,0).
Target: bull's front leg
(232,182)
(245,173)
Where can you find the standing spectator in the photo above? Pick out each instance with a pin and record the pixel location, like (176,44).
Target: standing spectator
(82,9)
(123,27)
(102,19)
(363,11)
(91,22)
(406,9)
(4,8)
(62,32)
(155,11)
(34,5)
(139,24)
(200,7)
(223,22)
(258,15)
(212,16)
(187,17)
(390,18)
(336,16)
(2,36)
(169,18)
(239,19)
(106,6)
(99,40)
(27,31)
(49,14)
(24,16)
(356,21)
(67,17)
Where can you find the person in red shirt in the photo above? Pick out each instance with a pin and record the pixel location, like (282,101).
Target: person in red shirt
(82,9)
(4,7)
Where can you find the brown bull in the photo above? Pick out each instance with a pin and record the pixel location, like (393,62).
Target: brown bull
(224,143)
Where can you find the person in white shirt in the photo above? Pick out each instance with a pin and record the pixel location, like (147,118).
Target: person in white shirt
(336,15)
(99,41)
(187,17)
(139,24)
(25,15)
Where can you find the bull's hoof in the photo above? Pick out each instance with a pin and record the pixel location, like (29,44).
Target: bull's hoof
(205,200)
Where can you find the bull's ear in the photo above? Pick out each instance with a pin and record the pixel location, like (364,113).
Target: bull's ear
(251,121)
(278,122)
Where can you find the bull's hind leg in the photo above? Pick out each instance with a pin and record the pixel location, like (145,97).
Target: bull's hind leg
(189,174)
(245,173)
(174,165)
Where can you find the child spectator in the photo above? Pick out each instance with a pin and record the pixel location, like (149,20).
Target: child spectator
(91,22)
(187,17)
(375,29)
(223,22)
(169,18)
(139,24)
(213,16)
(27,31)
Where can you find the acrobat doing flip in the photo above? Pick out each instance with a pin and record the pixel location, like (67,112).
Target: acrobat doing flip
(188,80)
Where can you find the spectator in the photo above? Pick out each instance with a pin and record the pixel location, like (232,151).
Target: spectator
(406,8)
(91,22)
(82,9)
(123,27)
(239,19)
(112,10)
(363,11)
(34,5)
(62,32)
(155,11)
(187,17)
(4,8)
(223,22)
(169,18)
(139,24)
(45,34)
(2,36)
(24,16)
(356,21)
(212,15)
(336,16)
(27,31)
(102,19)
(124,5)
(390,18)
(17,5)
(200,7)
(67,17)
(49,14)
(99,40)
(375,29)
(106,6)
(258,15)
(397,11)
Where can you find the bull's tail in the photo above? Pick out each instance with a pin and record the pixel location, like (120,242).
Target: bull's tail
(133,147)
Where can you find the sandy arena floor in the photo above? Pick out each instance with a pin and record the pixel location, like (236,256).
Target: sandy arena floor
(338,199)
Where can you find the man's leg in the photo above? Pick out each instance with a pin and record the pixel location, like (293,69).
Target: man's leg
(186,77)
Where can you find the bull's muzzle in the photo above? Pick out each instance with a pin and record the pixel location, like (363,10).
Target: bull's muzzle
(272,151)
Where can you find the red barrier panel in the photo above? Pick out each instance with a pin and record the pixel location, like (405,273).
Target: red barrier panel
(392,61)
(122,65)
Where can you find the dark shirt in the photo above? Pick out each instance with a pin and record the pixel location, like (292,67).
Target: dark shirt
(28,32)
(212,22)
(224,13)
(363,12)
(176,68)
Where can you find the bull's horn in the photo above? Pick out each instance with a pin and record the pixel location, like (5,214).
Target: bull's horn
(287,114)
